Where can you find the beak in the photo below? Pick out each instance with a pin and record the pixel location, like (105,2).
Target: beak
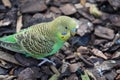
(72,34)
(73,31)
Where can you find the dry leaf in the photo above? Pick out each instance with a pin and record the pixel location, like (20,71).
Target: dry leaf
(54,77)
(55,70)
(9,78)
(64,66)
(78,6)
(5,22)
(99,53)
(82,2)
(116,55)
(94,11)
(118,77)
(3,77)
(6,77)
(7,3)
(90,74)
(19,23)
(85,76)
(106,65)
(74,67)
(73,77)
(8,57)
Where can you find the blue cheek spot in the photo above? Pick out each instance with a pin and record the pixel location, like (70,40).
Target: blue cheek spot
(64,33)
(74,30)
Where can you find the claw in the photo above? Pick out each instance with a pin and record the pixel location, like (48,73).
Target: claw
(46,60)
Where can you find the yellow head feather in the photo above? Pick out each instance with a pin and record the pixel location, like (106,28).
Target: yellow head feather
(65,27)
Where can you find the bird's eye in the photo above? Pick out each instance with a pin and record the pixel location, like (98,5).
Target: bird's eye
(64,33)
(66,27)
(74,30)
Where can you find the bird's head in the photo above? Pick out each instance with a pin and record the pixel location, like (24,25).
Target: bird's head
(65,27)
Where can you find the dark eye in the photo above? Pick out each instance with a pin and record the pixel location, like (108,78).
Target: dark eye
(64,33)
(66,27)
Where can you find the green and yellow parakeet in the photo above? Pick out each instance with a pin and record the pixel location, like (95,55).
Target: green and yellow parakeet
(41,40)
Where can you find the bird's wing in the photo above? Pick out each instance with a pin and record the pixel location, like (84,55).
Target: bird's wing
(10,43)
(35,43)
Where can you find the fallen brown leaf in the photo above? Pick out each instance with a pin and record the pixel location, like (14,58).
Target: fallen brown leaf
(99,53)
(82,2)
(7,3)
(19,23)
(8,57)
(94,11)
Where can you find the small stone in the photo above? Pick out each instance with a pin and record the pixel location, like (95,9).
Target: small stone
(68,9)
(74,67)
(55,10)
(33,6)
(104,32)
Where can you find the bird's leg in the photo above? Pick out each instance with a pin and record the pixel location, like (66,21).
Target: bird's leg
(46,60)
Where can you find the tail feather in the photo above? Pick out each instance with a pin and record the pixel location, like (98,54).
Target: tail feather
(11,46)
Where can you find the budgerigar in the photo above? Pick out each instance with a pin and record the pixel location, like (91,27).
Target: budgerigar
(41,40)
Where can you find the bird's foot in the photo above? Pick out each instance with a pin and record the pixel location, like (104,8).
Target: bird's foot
(46,60)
